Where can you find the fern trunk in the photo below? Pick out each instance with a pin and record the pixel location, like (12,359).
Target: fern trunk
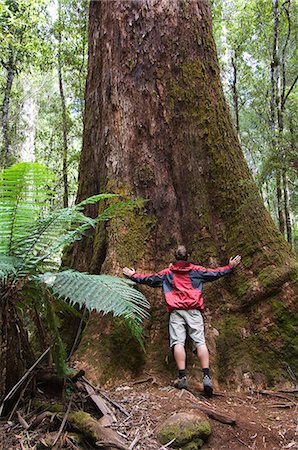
(157,126)
(15,353)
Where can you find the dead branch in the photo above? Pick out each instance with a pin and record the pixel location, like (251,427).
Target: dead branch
(38,419)
(22,421)
(100,404)
(288,391)
(276,394)
(94,431)
(117,405)
(220,417)
(62,423)
(145,380)
(135,441)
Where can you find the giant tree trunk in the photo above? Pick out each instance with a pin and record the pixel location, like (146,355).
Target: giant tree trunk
(157,126)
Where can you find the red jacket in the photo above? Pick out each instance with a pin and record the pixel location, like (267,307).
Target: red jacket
(182,283)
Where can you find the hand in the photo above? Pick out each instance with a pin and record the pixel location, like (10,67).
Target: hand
(235,261)
(128,272)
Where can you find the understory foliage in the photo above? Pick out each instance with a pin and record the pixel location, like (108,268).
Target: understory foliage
(32,239)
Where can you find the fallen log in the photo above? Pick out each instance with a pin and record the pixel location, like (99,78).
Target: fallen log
(276,394)
(95,433)
(108,415)
(220,417)
(106,397)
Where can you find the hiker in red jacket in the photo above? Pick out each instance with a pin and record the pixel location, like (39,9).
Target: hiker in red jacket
(182,284)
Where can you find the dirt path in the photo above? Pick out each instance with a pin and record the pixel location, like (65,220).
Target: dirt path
(262,421)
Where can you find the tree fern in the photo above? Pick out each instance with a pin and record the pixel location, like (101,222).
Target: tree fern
(102,293)
(31,242)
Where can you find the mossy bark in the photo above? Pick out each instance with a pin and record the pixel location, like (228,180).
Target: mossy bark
(15,353)
(157,126)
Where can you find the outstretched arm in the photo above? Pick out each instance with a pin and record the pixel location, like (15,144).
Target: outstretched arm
(213,274)
(151,279)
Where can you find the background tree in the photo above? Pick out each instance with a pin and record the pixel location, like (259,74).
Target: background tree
(36,129)
(157,126)
(21,31)
(264,34)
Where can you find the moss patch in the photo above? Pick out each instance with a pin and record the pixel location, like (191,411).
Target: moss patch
(112,349)
(187,431)
(277,341)
(131,235)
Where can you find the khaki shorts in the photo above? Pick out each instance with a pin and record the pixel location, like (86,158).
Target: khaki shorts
(183,322)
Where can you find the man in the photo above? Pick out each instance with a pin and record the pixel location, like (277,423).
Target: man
(182,284)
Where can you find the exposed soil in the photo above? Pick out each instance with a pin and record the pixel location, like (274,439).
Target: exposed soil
(262,421)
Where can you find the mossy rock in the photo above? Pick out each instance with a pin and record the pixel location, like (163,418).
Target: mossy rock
(189,429)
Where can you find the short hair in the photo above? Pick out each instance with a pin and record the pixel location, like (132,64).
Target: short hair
(181,253)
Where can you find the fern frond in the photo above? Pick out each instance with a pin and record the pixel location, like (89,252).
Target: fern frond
(137,331)
(9,266)
(50,235)
(102,293)
(23,191)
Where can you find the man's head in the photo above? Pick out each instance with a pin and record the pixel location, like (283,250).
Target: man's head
(181,253)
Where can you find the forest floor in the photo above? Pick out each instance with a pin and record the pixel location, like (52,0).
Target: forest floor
(262,420)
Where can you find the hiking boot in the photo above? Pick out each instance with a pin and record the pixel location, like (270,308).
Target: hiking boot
(181,383)
(207,384)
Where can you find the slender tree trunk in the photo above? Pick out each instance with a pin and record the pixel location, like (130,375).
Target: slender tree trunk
(276,116)
(64,118)
(287,208)
(65,143)
(157,126)
(28,114)
(6,110)
(280,203)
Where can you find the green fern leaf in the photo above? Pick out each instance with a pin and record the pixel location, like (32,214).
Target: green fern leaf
(102,293)
(23,193)
(8,268)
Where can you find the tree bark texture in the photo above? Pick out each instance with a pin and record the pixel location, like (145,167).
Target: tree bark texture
(15,353)
(157,126)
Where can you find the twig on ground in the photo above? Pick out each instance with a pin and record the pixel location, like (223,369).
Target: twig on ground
(167,444)
(145,380)
(275,394)
(135,441)
(22,421)
(62,423)
(289,391)
(20,398)
(283,405)
(242,442)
